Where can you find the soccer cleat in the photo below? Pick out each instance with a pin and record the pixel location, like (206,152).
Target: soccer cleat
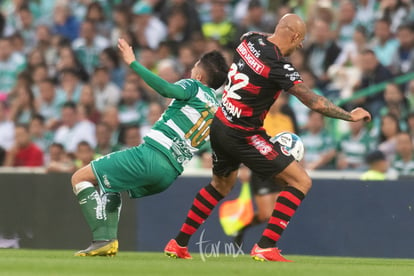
(173,250)
(267,254)
(100,248)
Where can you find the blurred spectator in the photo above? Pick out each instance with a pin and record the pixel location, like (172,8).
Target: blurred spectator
(187,58)
(39,134)
(59,160)
(27,28)
(43,38)
(24,152)
(67,59)
(148,29)
(130,136)
(87,102)
(409,93)
(347,22)
(189,13)
(403,58)
(351,50)
(64,23)
(354,146)
(72,131)
(110,116)
(396,104)
(121,16)
(373,72)
(103,140)
(170,70)
(302,111)
(322,52)
(395,11)
(387,137)
(96,14)
(177,24)
(220,28)
(38,73)
(256,19)
(383,43)
(88,46)
(6,128)
(70,85)
(23,106)
(410,124)
(365,13)
(132,109)
(297,58)
(404,161)
(319,145)
(378,166)
(84,154)
(106,92)
(49,102)
(155,110)
(11,64)
(109,58)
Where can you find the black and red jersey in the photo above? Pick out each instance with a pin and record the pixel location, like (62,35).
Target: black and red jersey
(257,76)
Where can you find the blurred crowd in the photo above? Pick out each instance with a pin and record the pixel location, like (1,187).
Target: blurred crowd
(66,97)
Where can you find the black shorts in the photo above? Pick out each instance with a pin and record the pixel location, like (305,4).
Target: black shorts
(231,147)
(267,186)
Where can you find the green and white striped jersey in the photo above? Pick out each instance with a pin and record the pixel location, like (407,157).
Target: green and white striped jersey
(403,168)
(185,126)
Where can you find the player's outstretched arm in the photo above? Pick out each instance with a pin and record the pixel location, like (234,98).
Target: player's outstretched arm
(160,85)
(325,106)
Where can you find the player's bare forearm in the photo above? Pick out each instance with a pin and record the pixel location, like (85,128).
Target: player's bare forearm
(325,106)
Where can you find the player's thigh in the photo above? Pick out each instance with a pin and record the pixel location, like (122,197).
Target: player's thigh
(263,157)
(295,175)
(84,174)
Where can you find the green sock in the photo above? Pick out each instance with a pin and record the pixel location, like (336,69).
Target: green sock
(113,204)
(94,212)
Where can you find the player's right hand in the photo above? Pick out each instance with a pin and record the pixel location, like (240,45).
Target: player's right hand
(126,51)
(360,114)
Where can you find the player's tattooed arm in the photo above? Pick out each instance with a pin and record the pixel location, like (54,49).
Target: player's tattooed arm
(325,106)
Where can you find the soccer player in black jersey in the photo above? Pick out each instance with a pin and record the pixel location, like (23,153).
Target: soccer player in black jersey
(258,73)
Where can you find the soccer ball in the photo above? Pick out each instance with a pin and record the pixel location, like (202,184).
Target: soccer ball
(290,144)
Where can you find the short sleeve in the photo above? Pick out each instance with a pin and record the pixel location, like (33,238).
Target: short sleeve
(284,75)
(189,86)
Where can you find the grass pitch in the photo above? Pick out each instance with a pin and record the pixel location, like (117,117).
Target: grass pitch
(21,262)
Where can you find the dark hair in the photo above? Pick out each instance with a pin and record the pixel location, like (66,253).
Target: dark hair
(216,68)
(112,55)
(123,130)
(382,137)
(374,156)
(58,145)
(38,117)
(84,143)
(406,26)
(70,105)
(98,6)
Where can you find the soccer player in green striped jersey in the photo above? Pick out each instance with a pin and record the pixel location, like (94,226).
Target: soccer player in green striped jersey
(153,166)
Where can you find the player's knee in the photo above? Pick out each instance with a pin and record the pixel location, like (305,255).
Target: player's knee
(304,184)
(76,178)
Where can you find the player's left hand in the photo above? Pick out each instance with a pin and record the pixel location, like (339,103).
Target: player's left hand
(126,51)
(360,114)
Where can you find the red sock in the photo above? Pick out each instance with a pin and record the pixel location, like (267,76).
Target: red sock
(286,204)
(204,202)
